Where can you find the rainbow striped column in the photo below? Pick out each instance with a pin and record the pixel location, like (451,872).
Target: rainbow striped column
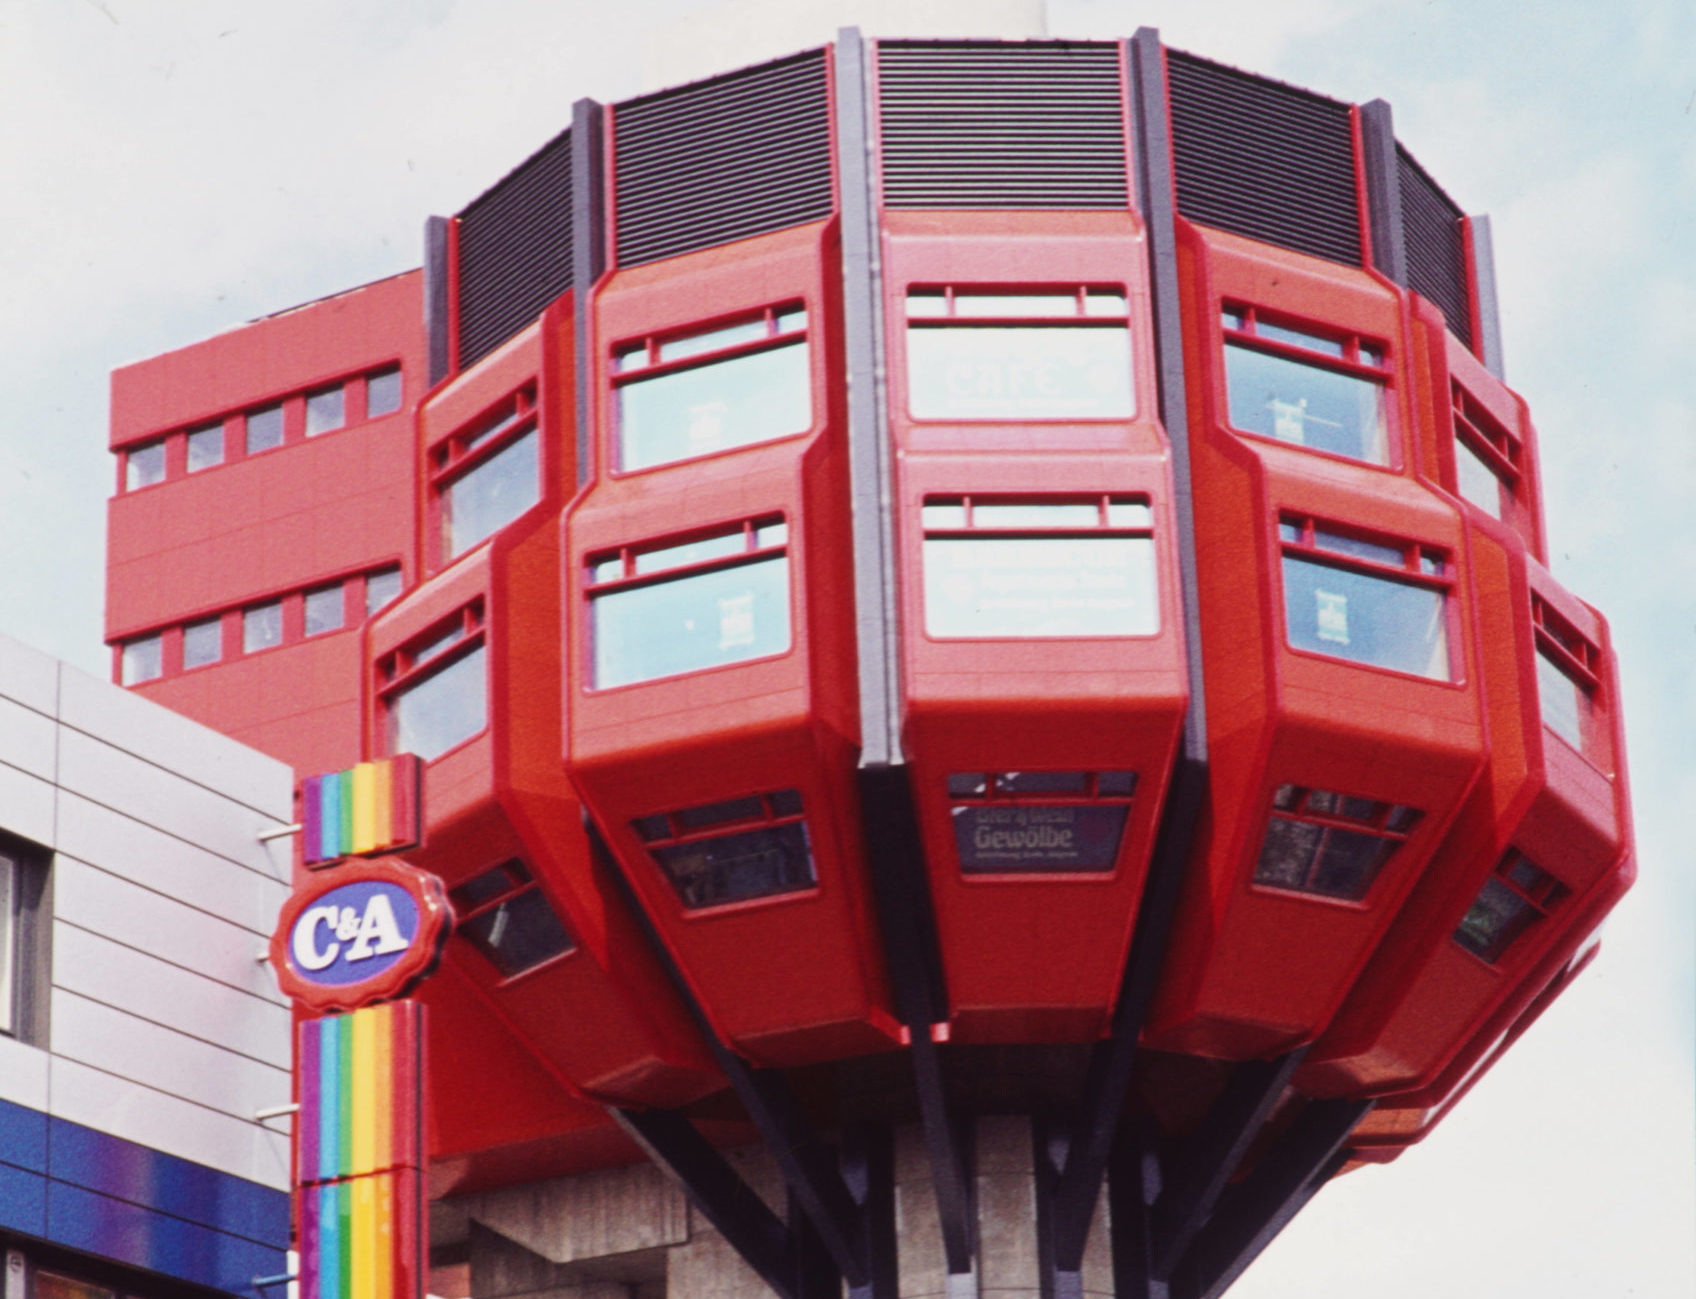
(372,807)
(359,1154)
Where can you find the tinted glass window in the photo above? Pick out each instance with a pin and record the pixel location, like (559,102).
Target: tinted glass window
(142,660)
(382,393)
(264,429)
(144,466)
(1563,703)
(736,867)
(1040,586)
(735,402)
(1306,405)
(324,610)
(518,934)
(325,410)
(686,623)
(1496,917)
(380,588)
(1019,372)
(262,627)
(478,504)
(1366,619)
(442,710)
(203,643)
(1313,858)
(206,447)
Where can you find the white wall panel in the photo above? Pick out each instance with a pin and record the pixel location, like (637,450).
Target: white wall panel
(23,1073)
(177,1127)
(142,985)
(140,727)
(29,676)
(28,739)
(150,922)
(26,805)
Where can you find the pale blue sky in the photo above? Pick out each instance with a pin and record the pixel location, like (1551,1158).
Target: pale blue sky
(171,170)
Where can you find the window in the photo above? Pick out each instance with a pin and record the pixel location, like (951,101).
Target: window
(144,466)
(1487,456)
(264,429)
(1056,354)
(682,606)
(382,393)
(1516,897)
(488,474)
(1318,841)
(325,610)
(733,851)
(679,396)
(1033,568)
(380,588)
(435,690)
(1325,393)
(45,1285)
(1567,678)
(203,643)
(1378,603)
(24,923)
(143,659)
(262,627)
(1039,822)
(205,447)
(506,917)
(326,409)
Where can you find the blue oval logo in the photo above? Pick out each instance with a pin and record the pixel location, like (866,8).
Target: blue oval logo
(353,933)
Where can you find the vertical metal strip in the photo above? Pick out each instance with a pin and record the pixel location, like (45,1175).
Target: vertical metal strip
(588,261)
(1383,191)
(1484,296)
(436,296)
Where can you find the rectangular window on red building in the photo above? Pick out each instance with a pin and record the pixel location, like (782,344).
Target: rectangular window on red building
(1512,900)
(435,689)
(1567,679)
(1330,844)
(733,851)
(1039,822)
(488,474)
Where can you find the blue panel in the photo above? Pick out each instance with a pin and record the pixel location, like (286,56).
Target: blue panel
(23,1136)
(127,1232)
(151,1179)
(23,1201)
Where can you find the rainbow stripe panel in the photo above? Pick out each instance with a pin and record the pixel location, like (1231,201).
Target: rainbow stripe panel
(358,1154)
(369,808)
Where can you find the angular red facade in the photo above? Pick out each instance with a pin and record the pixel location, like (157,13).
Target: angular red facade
(1074,579)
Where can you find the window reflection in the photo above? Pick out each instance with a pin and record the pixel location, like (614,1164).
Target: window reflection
(325,410)
(685,623)
(264,429)
(382,393)
(203,643)
(735,402)
(1040,586)
(205,448)
(444,709)
(1306,405)
(1564,705)
(481,502)
(142,660)
(262,627)
(1366,619)
(1019,372)
(144,466)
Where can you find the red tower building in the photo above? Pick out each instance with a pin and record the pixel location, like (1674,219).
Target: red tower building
(983,575)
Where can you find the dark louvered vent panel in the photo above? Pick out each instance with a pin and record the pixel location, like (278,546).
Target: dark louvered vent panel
(970,124)
(1436,248)
(515,250)
(1263,159)
(739,155)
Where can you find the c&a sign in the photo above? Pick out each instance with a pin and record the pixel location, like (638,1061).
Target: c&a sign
(363,932)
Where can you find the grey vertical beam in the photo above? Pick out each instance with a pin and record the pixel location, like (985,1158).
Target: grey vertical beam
(1133,1185)
(868,1167)
(1111,1065)
(1484,296)
(1383,191)
(437,295)
(1050,1141)
(588,261)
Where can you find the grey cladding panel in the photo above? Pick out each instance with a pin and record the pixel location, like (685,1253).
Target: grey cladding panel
(968,124)
(738,155)
(1262,159)
(515,250)
(1436,249)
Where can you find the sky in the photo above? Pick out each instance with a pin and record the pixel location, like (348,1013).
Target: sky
(169,170)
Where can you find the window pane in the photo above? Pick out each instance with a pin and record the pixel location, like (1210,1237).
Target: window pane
(1313,342)
(142,660)
(264,429)
(440,711)
(968,784)
(382,393)
(325,410)
(737,867)
(1348,863)
(1477,481)
(1047,586)
(518,934)
(1495,919)
(1306,405)
(691,552)
(1286,853)
(8,941)
(1042,782)
(730,403)
(1365,619)
(262,628)
(944,514)
(1129,514)
(380,588)
(203,643)
(1032,515)
(676,349)
(1339,544)
(481,888)
(492,495)
(47,1286)
(324,610)
(144,466)
(1116,784)
(1015,304)
(735,809)
(688,623)
(1001,839)
(205,448)
(1564,704)
(1020,372)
